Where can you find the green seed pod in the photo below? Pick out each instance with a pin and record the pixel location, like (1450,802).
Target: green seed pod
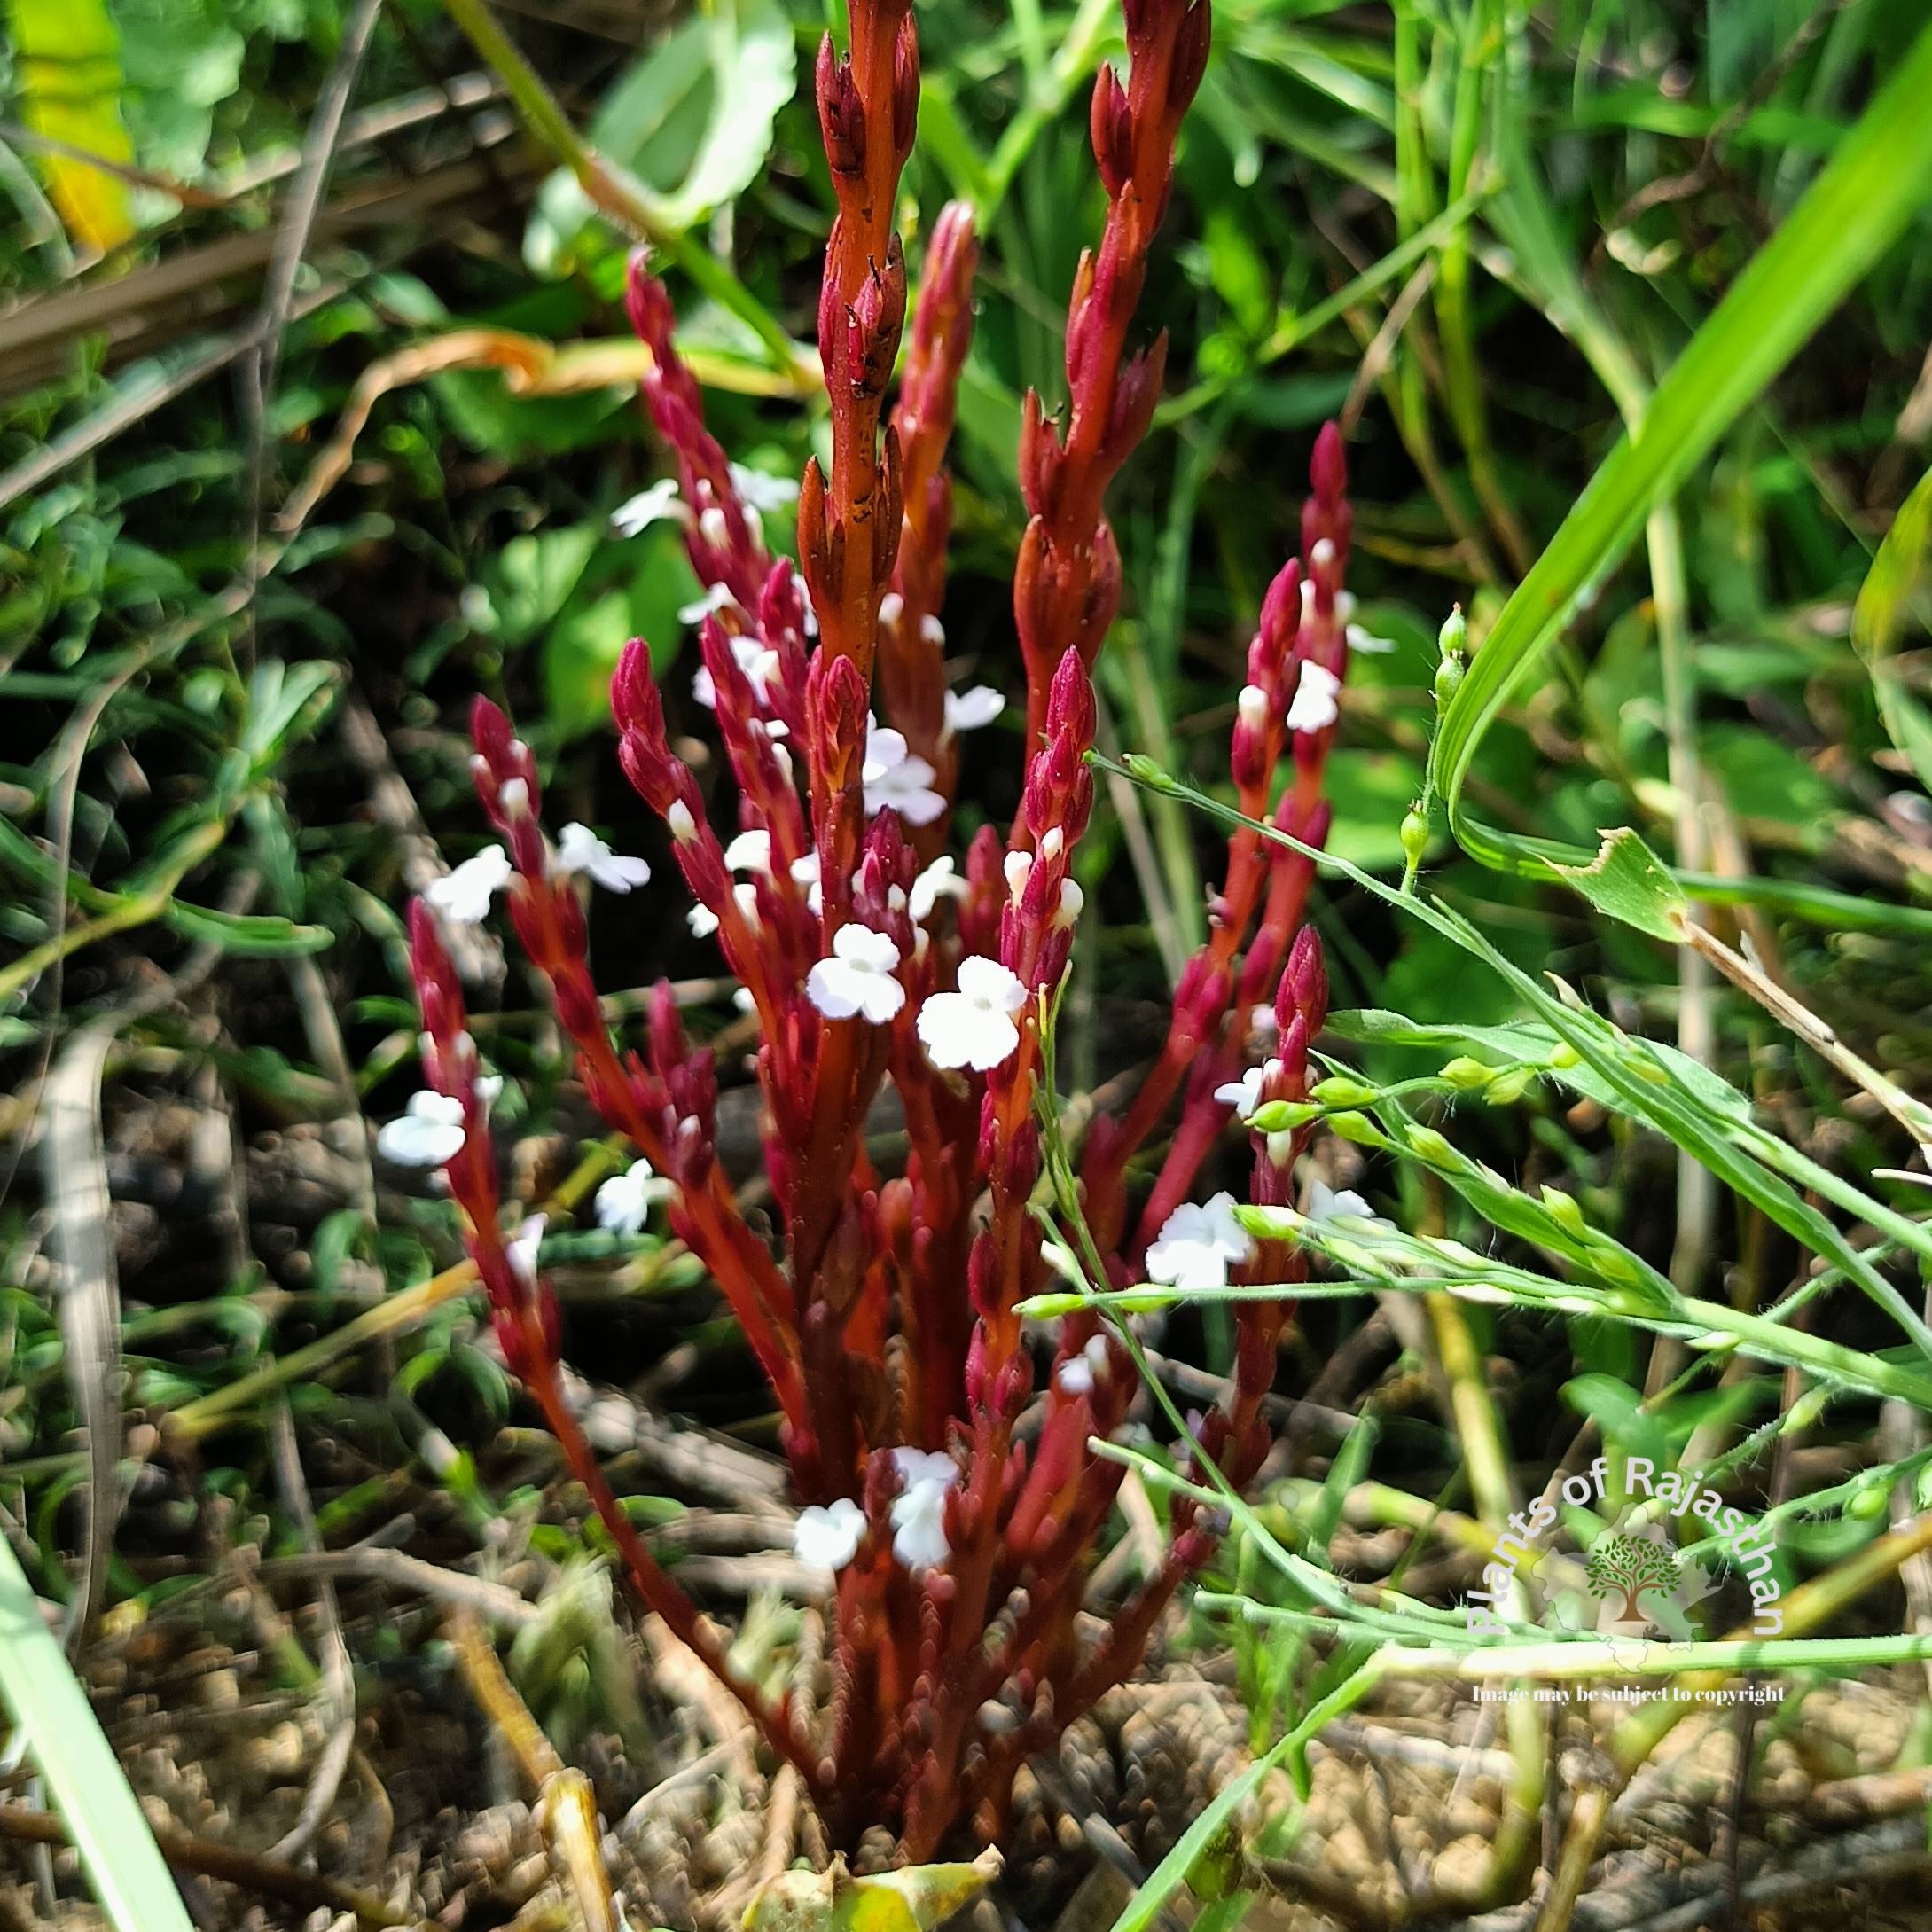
(1468,1075)
(1867,1502)
(1510,1085)
(1415,835)
(1358,1128)
(1431,1149)
(1563,1210)
(1339,1090)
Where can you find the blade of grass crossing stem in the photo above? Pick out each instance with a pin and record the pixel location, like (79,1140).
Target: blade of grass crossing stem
(1845,221)
(1881,613)
(101,1812)
(1645,1083)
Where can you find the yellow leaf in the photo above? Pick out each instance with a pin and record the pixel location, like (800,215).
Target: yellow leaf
(914,1899)
(68,67)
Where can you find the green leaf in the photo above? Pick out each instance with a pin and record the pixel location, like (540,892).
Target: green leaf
(250,935)
(1618,1411)
(39,1687)
(1846,220)
(1629,882)
(67,73)
(710,90)
(1881,614)
(533,576)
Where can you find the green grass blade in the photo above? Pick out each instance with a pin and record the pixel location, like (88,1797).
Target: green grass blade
(101,1812)
(1854,210)
(1884,608)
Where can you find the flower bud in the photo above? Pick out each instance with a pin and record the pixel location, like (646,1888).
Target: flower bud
(1112,131)
(1415,836)
(842,113)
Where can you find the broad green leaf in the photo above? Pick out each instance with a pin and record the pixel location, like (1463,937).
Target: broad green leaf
(1881,613)
(66,69)
(710,90)
(533,577)
(754,74)
(84,1776)
(1848,217)
(1628,882)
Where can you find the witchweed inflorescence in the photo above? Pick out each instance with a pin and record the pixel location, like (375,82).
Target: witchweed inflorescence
(948,1484)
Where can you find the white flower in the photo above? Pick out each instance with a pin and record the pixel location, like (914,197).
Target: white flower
(716,598)
(579,850)
(623,1202)
(757,664)
(1244,1095)
(649,506)
(827,1536)
(919,1511)
(1073,902)
(1325,1203)
(804,870)
(894,778)
(939,880)
(973,1027)
(513,794)
(1344,601)
(523,1246)
(1197,1245)
(924,1465)
(702,921)
(760,490)
(1360,639)
(1314,706)
(463,895)
(968,710)
(1080,1375)
(1018,867)
(750,852)
(428,1133)
(858,978)
(684,827)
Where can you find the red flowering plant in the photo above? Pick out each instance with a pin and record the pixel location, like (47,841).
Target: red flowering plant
(940,1450)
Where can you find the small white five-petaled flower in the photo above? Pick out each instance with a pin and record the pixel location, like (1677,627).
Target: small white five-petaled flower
(717,597)
(826,1534)
(623,1202)
(1314,706)
(1080,1375)
(760,490)
(858,978)
(1244,1095)
(973,1027)
(523,1246)
(579,850)
(427,1132)
(1327,1203)
(898,779)
(464,893)
(647,507)
(939,880)
(750,852)
(919,1511)
(968,710)
(1197,1246)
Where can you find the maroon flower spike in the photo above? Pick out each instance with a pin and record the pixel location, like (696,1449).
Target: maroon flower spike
(941,1453)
